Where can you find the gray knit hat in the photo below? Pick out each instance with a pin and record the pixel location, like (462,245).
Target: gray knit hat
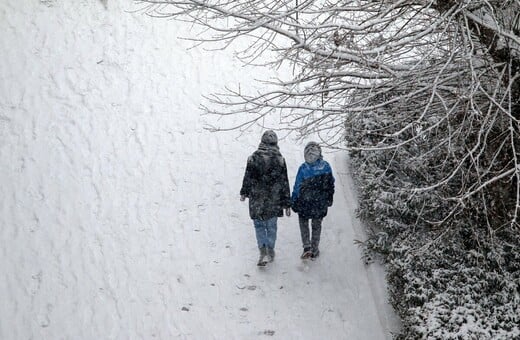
(312,152)
(270,138)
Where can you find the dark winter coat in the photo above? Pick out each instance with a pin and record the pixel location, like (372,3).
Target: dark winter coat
(313,189)
(266,183)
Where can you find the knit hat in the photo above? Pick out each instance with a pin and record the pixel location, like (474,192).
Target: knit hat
(312,152)
(270,138)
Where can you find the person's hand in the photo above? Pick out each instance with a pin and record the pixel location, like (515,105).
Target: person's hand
(242,198)
(288,212)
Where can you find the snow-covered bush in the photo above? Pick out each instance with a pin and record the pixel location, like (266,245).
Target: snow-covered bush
(443,290)
(453,264)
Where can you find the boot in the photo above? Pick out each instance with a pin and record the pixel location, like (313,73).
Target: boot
(270,254)
(307,253)
(262,260)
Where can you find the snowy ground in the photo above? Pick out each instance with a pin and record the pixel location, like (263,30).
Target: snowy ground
(119,213)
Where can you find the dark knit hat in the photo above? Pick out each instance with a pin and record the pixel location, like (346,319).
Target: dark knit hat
(312,152)
(270,138)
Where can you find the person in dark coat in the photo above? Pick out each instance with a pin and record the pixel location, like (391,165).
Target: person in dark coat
(266,185)
(312,196)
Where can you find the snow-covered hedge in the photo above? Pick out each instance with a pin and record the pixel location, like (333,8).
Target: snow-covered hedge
(448,290)
(453,269)
(454,284)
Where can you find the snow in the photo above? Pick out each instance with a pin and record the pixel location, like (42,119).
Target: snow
(119,213)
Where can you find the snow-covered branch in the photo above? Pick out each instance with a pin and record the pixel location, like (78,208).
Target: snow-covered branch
(435,82)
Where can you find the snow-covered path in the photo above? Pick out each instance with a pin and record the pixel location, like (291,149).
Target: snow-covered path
(119,213)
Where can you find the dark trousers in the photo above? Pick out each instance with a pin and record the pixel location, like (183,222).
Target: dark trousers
(309,241)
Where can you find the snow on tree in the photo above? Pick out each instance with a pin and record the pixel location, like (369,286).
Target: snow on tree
(437,63)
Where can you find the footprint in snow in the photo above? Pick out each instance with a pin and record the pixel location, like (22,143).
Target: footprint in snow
(268,332)
(251,287)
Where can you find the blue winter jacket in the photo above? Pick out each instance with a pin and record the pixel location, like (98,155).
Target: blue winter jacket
(313,190)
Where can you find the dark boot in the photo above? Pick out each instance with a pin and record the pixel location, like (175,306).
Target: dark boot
(262,259)
(307,253)
(270,254)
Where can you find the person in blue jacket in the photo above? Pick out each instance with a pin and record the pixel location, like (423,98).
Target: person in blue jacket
(312,196)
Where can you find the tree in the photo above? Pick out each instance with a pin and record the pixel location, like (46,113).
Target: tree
(444,73)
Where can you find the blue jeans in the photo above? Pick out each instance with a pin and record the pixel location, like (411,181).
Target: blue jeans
(266,232)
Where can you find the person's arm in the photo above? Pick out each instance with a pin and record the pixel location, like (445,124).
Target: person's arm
(296,189)
(286,191)
(245,191)
(330,187)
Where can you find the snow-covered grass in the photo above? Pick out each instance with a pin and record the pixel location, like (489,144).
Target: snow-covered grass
(119,213)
